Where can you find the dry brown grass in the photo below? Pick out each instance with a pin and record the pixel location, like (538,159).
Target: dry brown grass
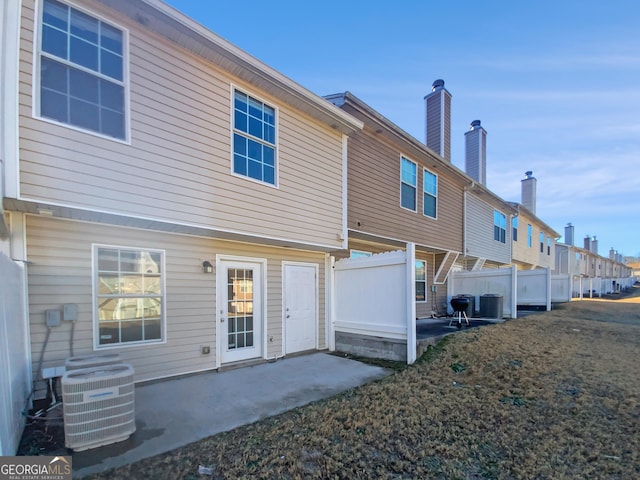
(553,395)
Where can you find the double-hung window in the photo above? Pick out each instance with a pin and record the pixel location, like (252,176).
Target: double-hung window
(408,184)
(548,245)
(129,296)
(429,194)
(514,228)
(541,242)
(529,235)
(82,71)
(421,281)
(254,138)
(499,227)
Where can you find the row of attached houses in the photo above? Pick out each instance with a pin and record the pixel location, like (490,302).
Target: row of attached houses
(591,273)
(170,198)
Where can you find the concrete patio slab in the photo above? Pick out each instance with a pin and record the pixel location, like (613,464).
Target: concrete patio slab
(174,413)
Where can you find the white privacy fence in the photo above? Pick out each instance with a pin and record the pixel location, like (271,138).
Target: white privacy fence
(517,287)
(15,378)
(375,297)
(560,288)
(499,281)
(597,286)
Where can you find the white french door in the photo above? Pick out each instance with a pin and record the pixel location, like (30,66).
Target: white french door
(239,303)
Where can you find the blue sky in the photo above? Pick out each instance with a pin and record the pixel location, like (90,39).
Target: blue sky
(556,85)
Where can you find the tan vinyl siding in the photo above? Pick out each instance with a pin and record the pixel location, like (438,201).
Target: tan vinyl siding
(374,196)
(61,273)
(531,256)
(177,165)
(479,230)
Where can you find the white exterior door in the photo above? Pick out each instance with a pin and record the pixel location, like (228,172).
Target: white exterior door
(300,307)
(239,310)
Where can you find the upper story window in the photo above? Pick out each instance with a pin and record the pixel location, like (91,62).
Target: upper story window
(548,245)
(82,71)
(514,228)
(408,184)
(254,138)
(129,296)
(541,242)
(359,254)
(529,235)
(499,227)
(430,194)
(421,281)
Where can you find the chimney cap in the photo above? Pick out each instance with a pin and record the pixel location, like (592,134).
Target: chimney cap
(475,123)
(437,85)
(529,174)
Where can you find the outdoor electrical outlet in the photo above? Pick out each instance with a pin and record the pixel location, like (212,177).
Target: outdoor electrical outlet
(206,350)
(271,339)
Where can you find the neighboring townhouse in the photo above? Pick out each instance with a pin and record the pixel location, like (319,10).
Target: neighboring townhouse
(533,240)
(176,199)
(487,235)
(591,273)
(399,192)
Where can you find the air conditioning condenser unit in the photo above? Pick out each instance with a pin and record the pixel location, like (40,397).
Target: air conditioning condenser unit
(98,405)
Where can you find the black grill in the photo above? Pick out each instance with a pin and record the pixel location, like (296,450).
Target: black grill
(459,304)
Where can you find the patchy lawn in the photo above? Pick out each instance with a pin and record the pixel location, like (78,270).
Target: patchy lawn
(553,395)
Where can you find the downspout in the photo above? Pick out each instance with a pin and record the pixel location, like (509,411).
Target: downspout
(331,312)
(464,225)
(9,113)
(345,199)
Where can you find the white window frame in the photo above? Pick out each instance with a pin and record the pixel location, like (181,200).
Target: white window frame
(37,54)
(94,286)
(426,295)
(235,88)
(424,192)
(415,187)
(502,229)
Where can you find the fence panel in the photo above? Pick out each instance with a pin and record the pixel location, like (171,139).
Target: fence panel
(14,357)
(534,288)
(498,281)
(374,305)
(561,288)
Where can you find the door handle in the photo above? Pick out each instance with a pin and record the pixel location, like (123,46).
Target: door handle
(222,320)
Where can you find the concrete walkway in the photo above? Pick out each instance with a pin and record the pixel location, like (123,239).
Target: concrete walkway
(174,413)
